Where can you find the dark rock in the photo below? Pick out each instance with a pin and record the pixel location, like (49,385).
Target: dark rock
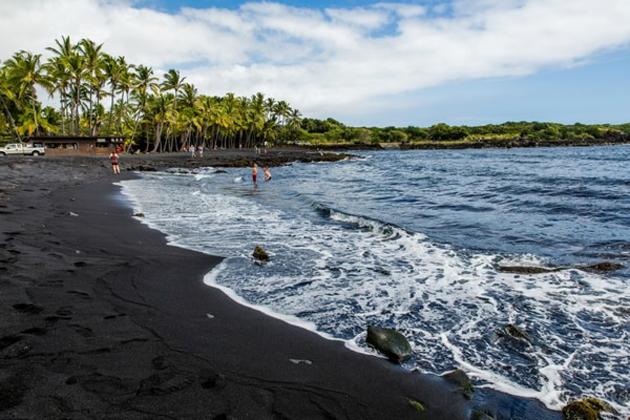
(586,409)
(260,254)
(602,267)
(517,269)
(513,331)
(139,214)
(71,380)
(390,342)
(460,378)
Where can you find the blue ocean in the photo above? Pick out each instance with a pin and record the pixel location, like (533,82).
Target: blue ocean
(413,240)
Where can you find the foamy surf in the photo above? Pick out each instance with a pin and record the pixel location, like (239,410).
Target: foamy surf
(335,272)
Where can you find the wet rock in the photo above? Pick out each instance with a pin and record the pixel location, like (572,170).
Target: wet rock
(602,267)
(139,214)
(525,269)
(511,330)
(260,254)
(390,342)
(586,409)
(460,378)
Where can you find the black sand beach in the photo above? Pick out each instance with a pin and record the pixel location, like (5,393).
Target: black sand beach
(100,318)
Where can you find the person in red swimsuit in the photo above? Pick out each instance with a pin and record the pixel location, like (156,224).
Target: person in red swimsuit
(254,173)
(113,156)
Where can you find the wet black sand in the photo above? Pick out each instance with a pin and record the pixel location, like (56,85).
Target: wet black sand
(100,318)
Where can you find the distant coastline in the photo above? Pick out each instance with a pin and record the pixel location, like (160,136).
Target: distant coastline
(332,134)
(474,144)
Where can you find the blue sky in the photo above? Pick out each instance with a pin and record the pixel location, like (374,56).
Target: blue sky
(384,62)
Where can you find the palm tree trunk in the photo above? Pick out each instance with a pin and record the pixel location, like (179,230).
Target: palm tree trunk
(11,121)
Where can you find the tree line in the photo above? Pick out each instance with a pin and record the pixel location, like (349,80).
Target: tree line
(99,94)
(329,131)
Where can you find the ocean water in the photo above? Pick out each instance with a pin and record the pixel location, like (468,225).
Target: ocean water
(412,240)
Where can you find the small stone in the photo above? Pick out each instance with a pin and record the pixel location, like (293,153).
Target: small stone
(260,254)
(513,331)
(139,214)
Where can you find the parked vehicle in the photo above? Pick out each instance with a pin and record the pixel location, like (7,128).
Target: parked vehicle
(22,149)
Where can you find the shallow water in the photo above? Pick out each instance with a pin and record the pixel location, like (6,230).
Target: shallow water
(412,240)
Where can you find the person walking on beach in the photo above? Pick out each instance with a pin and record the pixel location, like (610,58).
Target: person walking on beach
(267,173)
(191,149)
(200,151)
(254,173)
(113,156)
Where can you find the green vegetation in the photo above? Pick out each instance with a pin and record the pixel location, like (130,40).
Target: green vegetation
(103,95)
(98,94)
(330,131)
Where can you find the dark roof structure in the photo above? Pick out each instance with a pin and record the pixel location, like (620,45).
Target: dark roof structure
(78,139)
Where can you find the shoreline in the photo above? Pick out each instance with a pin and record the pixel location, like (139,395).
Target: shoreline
(120,329)
(472,144)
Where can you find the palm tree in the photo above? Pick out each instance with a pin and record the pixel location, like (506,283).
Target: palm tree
(7,97)
(93,62)
(24,72)
(113,74)
(173,81)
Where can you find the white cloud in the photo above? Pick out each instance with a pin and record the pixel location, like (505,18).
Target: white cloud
(337,59)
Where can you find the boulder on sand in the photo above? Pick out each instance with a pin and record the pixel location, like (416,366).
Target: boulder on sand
(585,409)
(260,254)
(389,342)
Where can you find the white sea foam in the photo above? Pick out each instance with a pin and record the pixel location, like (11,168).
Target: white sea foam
(336,276)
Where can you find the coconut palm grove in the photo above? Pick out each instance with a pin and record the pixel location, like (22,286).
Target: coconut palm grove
(99,94)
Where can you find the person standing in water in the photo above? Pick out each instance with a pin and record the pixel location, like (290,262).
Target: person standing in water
(254,173)
(113,156)
(267,173)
